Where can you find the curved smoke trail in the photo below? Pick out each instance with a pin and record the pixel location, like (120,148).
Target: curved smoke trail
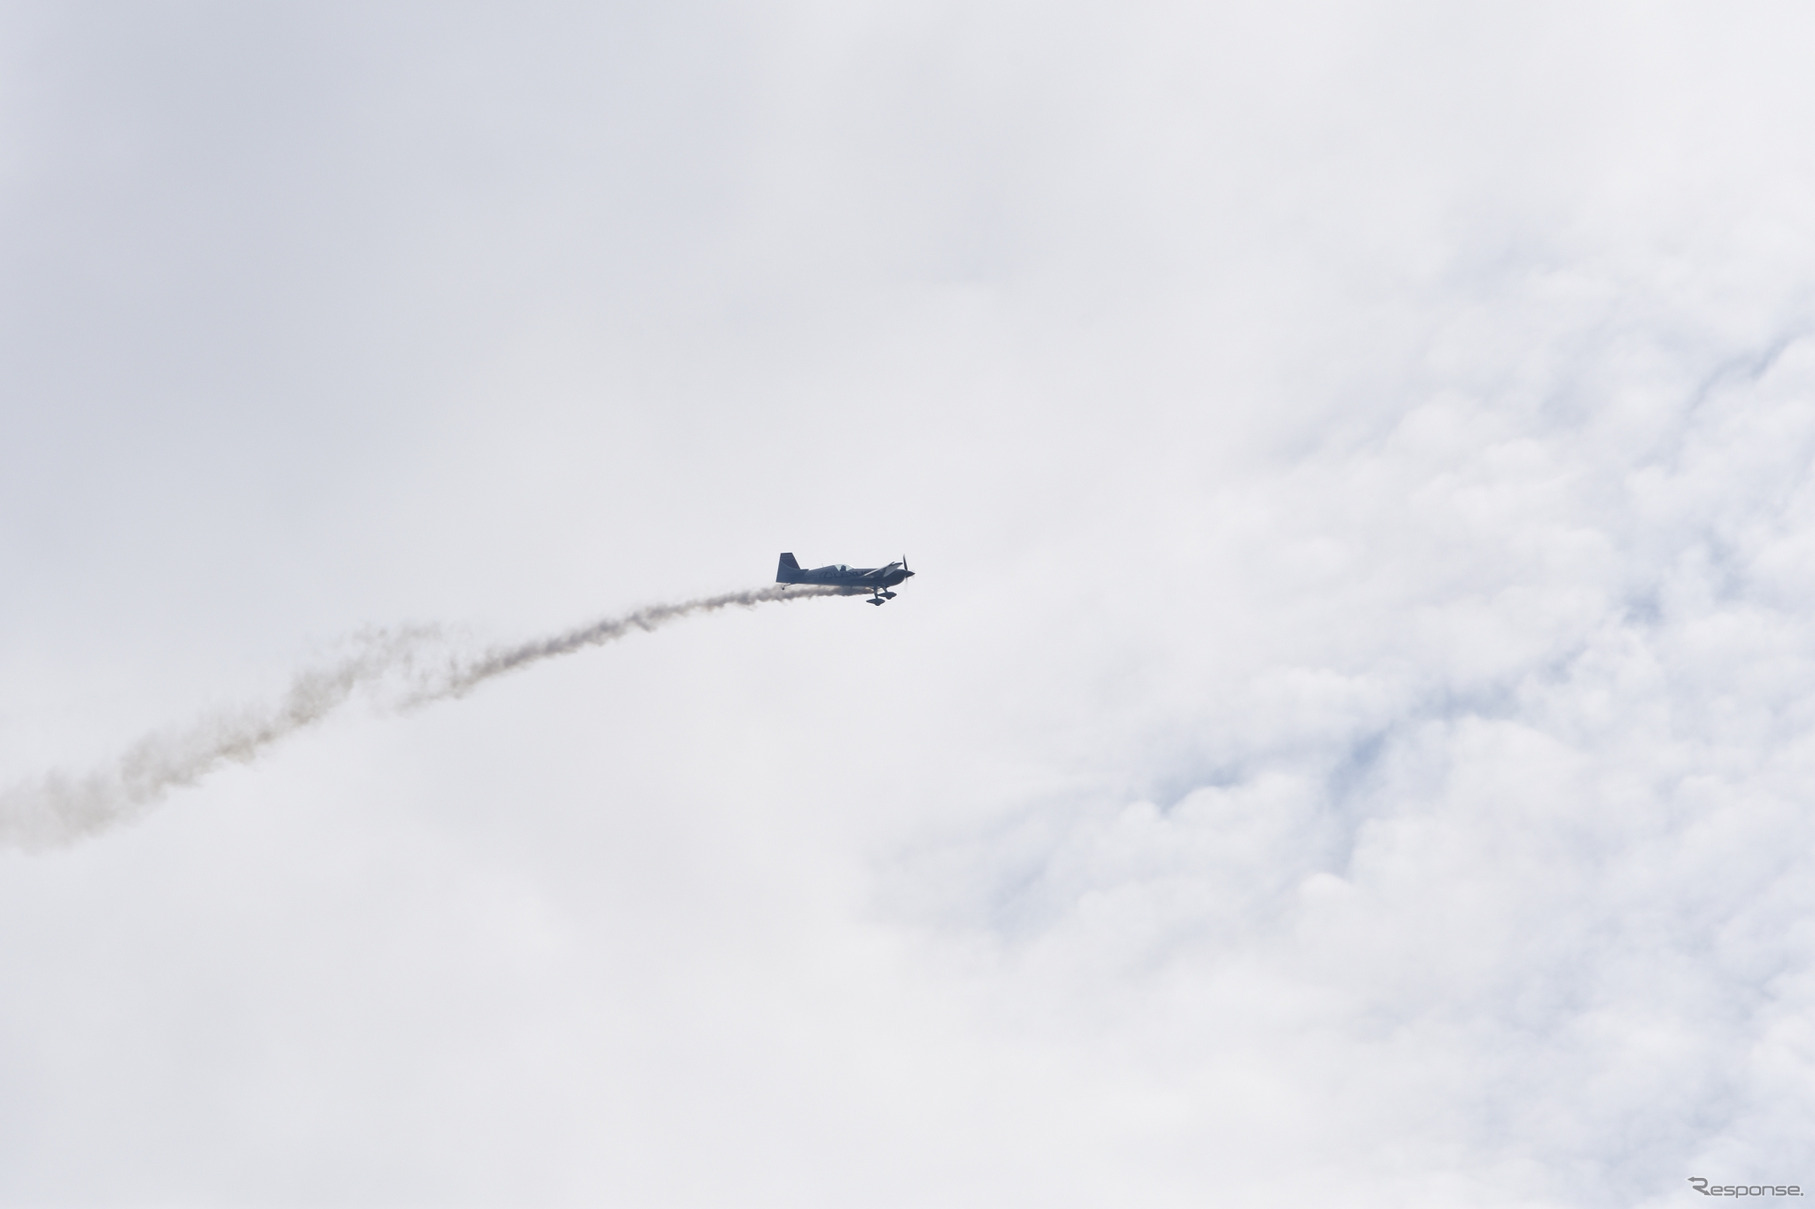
(60,808)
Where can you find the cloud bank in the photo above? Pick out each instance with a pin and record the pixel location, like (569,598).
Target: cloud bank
(1354,749)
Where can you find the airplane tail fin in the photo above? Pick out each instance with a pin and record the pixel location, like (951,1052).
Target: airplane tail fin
(786,572)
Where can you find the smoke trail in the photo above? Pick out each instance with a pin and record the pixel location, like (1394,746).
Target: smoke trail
(59,808)
(464,679)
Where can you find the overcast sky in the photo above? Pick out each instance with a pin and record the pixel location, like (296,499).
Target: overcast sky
(1349,741)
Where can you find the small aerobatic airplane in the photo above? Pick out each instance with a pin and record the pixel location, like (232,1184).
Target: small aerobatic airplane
(851,581)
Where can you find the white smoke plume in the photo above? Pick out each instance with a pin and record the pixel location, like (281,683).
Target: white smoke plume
(60,808)
(464,677)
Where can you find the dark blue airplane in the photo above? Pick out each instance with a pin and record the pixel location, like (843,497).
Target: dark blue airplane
(850,581)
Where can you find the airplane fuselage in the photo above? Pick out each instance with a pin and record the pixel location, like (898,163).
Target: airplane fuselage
(840,575)
(851,580)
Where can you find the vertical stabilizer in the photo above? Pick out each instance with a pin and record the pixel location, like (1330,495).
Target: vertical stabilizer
(789,570)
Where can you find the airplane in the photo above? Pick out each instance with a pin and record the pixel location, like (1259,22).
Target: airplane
(851,581)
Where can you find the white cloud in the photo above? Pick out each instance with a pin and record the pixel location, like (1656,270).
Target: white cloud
(1346,744)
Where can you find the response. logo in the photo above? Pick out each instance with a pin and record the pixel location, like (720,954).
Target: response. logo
(1706,1189)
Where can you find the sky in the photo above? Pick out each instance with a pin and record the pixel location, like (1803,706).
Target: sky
(1348,740)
